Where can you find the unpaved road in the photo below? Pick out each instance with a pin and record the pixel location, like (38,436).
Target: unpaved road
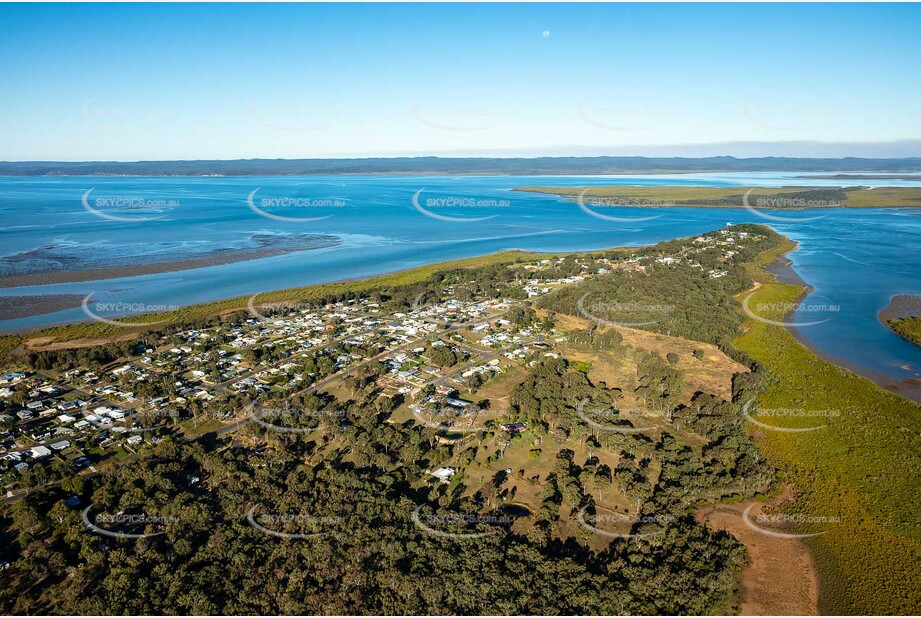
(781,577)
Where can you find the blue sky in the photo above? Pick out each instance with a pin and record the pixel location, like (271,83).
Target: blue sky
(128,82)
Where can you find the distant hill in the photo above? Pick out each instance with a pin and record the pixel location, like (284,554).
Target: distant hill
(438,165)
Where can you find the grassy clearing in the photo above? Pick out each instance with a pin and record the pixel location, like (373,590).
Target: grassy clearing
(863,468)
(710,374)
(195,428)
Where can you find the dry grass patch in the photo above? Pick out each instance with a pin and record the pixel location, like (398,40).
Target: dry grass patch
(710,374)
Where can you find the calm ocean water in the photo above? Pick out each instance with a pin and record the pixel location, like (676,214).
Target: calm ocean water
(855,259)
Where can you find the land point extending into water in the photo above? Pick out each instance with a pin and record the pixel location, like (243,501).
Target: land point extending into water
(784,198)
(857,471)
(903,316)
(902,305)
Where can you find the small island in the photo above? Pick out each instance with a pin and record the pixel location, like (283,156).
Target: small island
(903,316)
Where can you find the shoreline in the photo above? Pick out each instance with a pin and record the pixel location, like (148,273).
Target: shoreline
(784,198)
(291,293)
(900,306)
(15,307)
(223,306)
(782,269)
(893,176)
(215,258)
(855,469)
(649,172)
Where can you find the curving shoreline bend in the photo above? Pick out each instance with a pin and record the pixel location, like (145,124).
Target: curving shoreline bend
(903,317)
(782,269)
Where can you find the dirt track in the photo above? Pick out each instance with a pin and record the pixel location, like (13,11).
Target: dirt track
(781,577)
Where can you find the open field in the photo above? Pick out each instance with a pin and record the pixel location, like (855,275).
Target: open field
(781,577)
(732,197)
(710,374)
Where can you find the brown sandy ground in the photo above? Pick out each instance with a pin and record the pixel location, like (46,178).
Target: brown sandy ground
(781,578)
(48,343)
(12,307)
(901,306)
(118,272)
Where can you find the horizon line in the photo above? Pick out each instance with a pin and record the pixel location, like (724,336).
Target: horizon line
(458,157)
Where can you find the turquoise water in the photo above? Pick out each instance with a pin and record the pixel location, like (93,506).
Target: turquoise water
(855,259)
